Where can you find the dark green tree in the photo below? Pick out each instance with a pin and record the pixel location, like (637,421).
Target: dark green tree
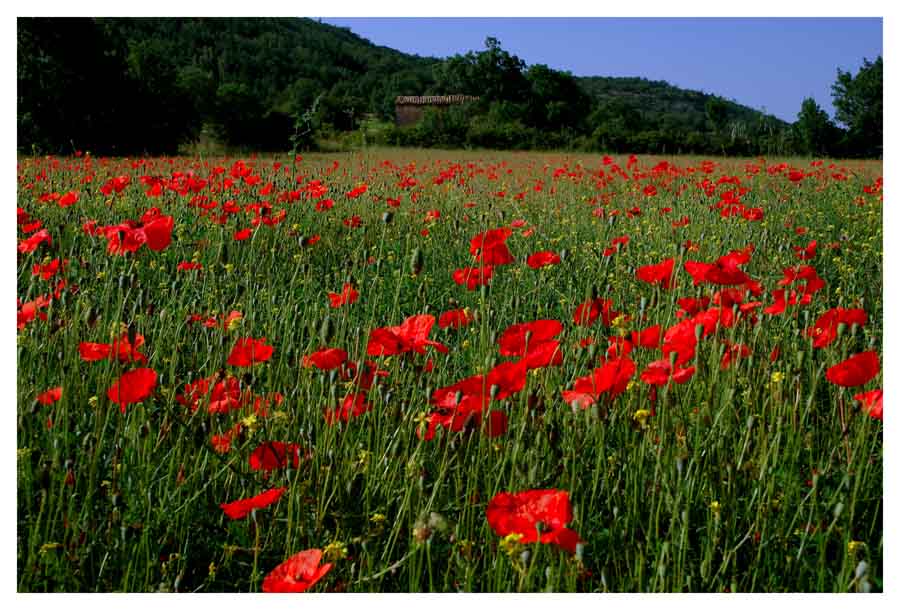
(815,130)
(858,104)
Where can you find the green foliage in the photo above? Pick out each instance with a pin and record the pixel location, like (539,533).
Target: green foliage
(152,84)
(816,132)
(762,477)
(858,102)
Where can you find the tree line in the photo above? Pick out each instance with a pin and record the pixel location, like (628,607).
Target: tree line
(148,86)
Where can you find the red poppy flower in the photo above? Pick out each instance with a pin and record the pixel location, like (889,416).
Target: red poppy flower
(248,352)
(586,313)
(660,372)
(412,335)
(619,346)
(543,354)
(49,270)
(871,402)
(781,301)
(806,253)
(30,245)
(661,273)
(856,370)
(353,222)
(362,188)
(473,277)
(508,377)
(466,413)
(50,396)
(68,199)
(241,508)
(121,349)
(648,338)
(692,306)
(275,454)
(26,312)
(724,271)
(354,405)
(132,387)
(325,359)
(824,331)
(805,273)
(31,227)
(732,353)
(243,234)
(681,339)
(188,266)
(224,394)
(516,338)
(159,232)
(496,424)
(297,574)
(538,515)
(347,295)
(455,318)
(612,377)
(714,274)
(490,247)
(543,259)
(324,205)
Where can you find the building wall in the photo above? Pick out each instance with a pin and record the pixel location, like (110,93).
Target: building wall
(408,114)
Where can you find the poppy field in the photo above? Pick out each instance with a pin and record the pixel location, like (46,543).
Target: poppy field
(408,371)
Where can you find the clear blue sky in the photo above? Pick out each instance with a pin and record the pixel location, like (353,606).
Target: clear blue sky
(764,63)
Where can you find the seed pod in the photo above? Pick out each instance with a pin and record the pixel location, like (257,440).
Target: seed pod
(416,262)
(326,330)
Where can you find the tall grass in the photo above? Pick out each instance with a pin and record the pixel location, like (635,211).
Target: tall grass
(761,477)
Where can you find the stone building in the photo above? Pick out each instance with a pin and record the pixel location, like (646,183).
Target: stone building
(411,108)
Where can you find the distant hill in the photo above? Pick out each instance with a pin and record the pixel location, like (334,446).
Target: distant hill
(145,85)
(656,98)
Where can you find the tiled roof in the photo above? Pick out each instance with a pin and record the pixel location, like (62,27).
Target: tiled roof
(433,100)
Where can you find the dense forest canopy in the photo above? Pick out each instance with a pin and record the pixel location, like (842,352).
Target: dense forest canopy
(126,86)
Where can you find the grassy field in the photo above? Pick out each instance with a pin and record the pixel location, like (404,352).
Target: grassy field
(173,361)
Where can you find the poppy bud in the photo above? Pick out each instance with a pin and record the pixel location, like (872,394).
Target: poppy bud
(326,331)
(44,477)
(416,262)
(387,218)
(563,254)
